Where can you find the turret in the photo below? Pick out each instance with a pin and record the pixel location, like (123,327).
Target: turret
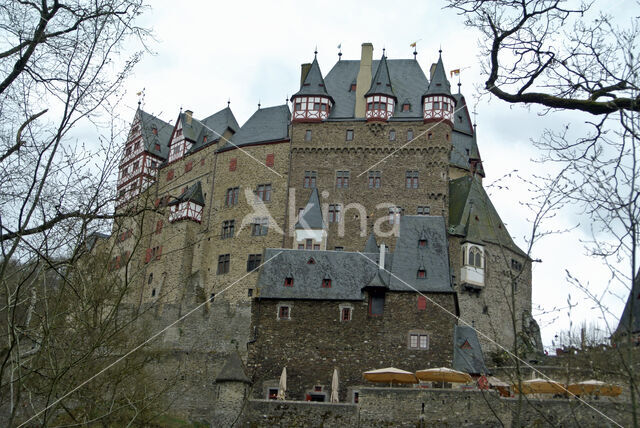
(311,231)
(188,206)
(438,103)
(312,103)
(380,99)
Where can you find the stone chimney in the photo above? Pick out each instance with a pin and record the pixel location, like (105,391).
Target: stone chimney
(383,252)
(304,70)
(189,115)
(363,83)
(431,71)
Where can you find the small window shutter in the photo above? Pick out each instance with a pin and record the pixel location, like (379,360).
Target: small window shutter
(159,226)
(233,164)
(118,262)
(157,202)
(147,257)
(422,303)
(159,252)
(270,159)
(170,175)
(188,166)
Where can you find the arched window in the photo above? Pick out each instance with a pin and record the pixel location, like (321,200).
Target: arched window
(475,257)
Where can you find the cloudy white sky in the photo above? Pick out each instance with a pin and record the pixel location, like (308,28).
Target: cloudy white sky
(206,53)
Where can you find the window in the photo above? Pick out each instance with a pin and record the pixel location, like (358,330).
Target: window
(223,263)
(374,179)
(475,257)
(300,246)
(516,265)
(326,283)
(270,160)
(423,210)
(409,134)
(338,249)
(422,243)
(153,292)
(154,164)
(212,297)
(308,244)
(264,192)
(307,135)
(349,135)
(345,314)
(188,166)
(342,179)
(394,215)
(422,303)
(158,226)
(422,273)
(260,226)
(233,164)
(376,304)
(316,247)
(418,340)
(288,282)
(436,105)
(356,396)
(250,292)
(232,196)
(284,313)
(154,130)
(392,135)
(353,87)
(334,213)
(309,179)
(253,262)
(228,228)
(170,175)
(411,180)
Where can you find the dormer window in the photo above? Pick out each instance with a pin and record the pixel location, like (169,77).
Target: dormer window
(422,273)
(353,87)
(154,130)
(326,283)
(288,282)
(422,243)
(472,270)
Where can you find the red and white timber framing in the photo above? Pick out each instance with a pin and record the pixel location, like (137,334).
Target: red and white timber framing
(179,145)
(438,108)
(311,108)
(380,107)
(186,210)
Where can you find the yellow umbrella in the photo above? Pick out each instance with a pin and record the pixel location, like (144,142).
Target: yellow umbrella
(594,387)
(540,386)
(390,374)
(443,374)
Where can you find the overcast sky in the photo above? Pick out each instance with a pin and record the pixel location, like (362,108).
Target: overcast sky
(248,52)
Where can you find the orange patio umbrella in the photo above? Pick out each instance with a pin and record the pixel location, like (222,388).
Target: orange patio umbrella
(390,374)
(443,374)
(594,387)
(540,386)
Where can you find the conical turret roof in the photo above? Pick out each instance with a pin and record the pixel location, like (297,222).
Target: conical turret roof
(233,370)
(631,315)
(381,82)
(371,246)
(311,217)
(313,83)
(439,84)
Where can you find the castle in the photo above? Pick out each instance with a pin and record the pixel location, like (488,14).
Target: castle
(349,229)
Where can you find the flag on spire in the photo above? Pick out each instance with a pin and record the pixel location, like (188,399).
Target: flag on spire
(413,45)
(455,72)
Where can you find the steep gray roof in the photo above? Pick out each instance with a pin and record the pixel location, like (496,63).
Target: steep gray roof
(311,217)
(349,273)
(213,127)
(265,125)
(439,84)
(408,257)
(408,79)
(371,246)
(463,139)
(381,82)
(148,123)
(192,194)
(467,353)
(631,308)
(313,83)
(233,370)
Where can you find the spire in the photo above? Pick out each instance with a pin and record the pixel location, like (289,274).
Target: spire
(233,370)
(472,231)
(313,83)
(631,310)
(439,84)
(311,218)
(381,82)
(371,246)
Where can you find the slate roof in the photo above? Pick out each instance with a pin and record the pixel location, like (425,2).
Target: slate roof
(233,370)
(265,125)
(473,216)
(192,194)
(439,84)
(213,127)
(408,257)
(371,246)
(467,353)
(311,217)
(148,123)
(632,307)
(351,272)
(381,82)
(408,80)
(313,83)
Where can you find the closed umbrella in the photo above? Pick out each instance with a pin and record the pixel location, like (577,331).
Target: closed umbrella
(390,374)
(443,374)
(594,387)
(282,386)
(540,386)
(334,386)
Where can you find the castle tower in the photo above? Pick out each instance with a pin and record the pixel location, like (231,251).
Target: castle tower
(438,102)
(380,99)
(311,103)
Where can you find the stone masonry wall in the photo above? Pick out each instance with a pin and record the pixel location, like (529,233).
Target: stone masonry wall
(314,342)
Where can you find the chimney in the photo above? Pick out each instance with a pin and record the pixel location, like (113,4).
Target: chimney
(189,115)
(363,83)
(383,251)
(432,70)
(304,70)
